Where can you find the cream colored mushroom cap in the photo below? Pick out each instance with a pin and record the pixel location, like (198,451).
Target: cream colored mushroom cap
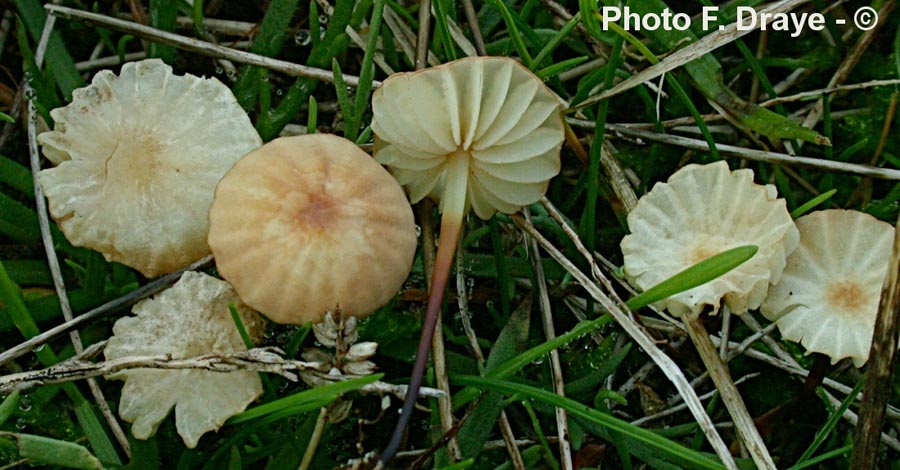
(310,224)
(701,211)
(828,296)
(188,319)
(138,157)
(493,109)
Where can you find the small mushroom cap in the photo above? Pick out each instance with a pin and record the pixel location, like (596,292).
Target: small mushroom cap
(828,296)
(701,211)
(189,319)
(138,157)
(493,109)
(310,224)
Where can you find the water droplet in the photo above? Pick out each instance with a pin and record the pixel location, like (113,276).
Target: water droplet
(538,361)
(25,404)
(302,38)
(279,92)
(418,231)
(219,70)
(39,348)
(323,19)
(20,424)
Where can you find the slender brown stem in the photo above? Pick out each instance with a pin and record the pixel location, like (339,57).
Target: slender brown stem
(443,261)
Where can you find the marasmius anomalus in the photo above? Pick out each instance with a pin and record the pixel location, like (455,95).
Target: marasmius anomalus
(481,133)
(137,158)
(311,224)
(828,295)
(703,210)
(188,319)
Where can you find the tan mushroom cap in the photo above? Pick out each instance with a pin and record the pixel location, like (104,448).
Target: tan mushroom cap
(188,319)
(701,211)
(828,296)
(138,157)
(310,224)
(490,110)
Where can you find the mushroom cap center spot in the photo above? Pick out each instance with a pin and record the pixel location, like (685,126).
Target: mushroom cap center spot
(847,295)
(317,213)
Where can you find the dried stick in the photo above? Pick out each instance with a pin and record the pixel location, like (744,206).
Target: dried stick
(202,47)
(718,371)
(506,431)
(703,46)
(257,359)
(134,296)
(47,240)
(748,154)
(881,357)
(559,385)
(637,332)
(315,439)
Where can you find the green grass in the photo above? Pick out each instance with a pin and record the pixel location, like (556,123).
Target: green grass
(60,426)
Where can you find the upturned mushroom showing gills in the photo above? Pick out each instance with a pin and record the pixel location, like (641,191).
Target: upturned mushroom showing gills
(481,133)
(137,159)
(703,210)
(828,297)
(310,224)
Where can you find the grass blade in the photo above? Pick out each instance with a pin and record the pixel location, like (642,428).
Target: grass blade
(677,452)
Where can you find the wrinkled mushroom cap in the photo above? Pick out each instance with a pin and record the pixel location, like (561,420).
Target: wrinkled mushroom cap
(138,157)
(310,224)
(189,319)
(828,296)
(492,109)
(701,211)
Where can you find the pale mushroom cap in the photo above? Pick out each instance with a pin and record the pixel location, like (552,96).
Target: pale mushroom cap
(828,296)
(310,224)
(189,319)
(701,211)
(138,157)
(493,109)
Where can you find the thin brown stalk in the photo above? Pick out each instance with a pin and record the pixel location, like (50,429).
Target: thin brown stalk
(472,20)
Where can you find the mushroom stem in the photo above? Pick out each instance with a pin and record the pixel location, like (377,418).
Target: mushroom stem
(721,377)
(453,205)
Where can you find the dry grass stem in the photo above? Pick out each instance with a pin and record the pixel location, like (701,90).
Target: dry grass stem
(559,384)
(854,53)
(202,47)
(50,249)
(806,95)
(673,409)
(515,457)
(126,300)
(731,397)
(880,367)
(749,154)
(257,359)
(644,340)
(703,46)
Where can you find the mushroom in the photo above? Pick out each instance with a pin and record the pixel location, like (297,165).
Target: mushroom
(137,159)
(703,210)
(189,319)
(309,224)
(828,296)
(481,132)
